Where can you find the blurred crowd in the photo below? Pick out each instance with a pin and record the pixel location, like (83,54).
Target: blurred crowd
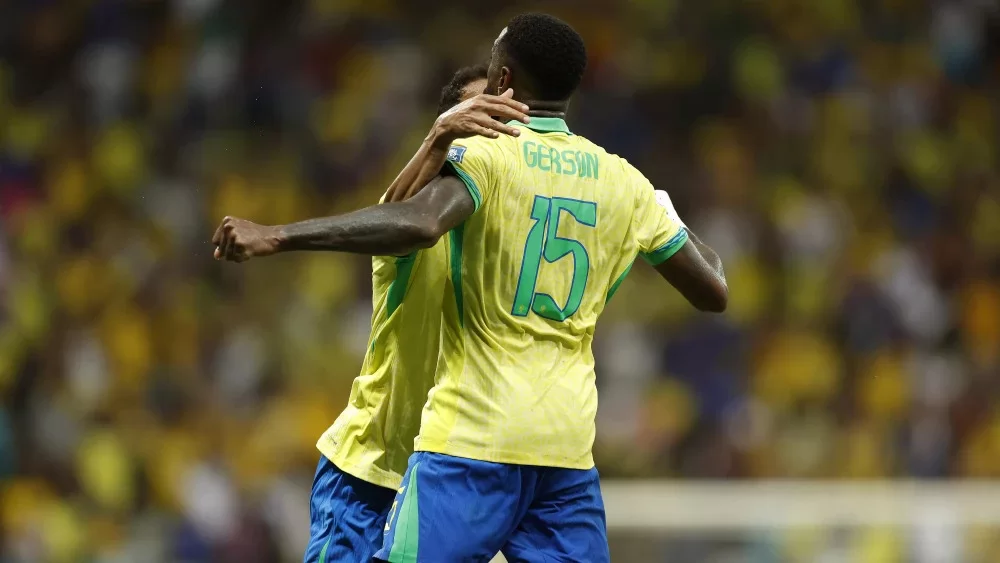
(155,405)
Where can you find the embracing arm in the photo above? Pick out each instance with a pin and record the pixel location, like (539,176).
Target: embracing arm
(422,168)
(392,228)
(389,229)
(475,116)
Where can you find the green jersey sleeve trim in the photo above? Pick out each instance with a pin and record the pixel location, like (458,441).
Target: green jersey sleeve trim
(470,184)
(397,289)
(660,255)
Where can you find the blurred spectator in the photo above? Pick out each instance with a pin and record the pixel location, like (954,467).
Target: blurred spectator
(158,406)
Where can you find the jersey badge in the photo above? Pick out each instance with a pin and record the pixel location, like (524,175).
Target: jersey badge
(456,153)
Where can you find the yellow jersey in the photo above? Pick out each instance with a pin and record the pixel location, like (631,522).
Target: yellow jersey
(558,224)
(373,438)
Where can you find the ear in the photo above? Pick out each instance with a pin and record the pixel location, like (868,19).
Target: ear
(506,79)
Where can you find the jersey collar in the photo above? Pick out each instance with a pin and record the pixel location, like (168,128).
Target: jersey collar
(545,125)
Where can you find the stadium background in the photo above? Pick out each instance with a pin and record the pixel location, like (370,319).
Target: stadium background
(840,155)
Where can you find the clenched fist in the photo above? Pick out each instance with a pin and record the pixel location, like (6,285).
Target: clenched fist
(239,240)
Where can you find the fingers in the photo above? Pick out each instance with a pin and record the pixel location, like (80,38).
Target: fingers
(226,245)
(486,115)
(232,250)
(484,131)
(506,108)
(410,192)
(507,99)
(511,107)
(217,237)
(227,248)
(393,195)
(497,127)
(506,113)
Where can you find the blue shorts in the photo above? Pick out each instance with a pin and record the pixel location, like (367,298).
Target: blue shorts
(458,509)
(347,516)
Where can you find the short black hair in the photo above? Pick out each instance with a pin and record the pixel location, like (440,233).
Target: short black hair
(451,94)
(550,51)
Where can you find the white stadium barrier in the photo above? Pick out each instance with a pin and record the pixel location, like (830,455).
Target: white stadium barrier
(864,522)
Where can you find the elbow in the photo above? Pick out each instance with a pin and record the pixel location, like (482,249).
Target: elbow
(715,305)
(425,233)
(714,301)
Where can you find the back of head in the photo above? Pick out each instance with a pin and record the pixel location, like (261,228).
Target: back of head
(451,94)
(550,52)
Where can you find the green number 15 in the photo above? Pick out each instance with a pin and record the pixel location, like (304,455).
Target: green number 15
(543,242)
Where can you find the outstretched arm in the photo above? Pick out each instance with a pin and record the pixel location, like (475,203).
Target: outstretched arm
(391,229)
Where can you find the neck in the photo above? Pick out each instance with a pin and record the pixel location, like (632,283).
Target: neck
(546,109)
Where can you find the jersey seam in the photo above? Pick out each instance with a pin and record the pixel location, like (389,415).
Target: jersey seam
(618,282)
(400,283)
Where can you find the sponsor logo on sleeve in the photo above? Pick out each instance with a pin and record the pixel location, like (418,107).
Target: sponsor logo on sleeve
(456,153)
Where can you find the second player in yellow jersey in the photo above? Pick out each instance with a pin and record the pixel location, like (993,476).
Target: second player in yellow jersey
(373,437)
(365,451)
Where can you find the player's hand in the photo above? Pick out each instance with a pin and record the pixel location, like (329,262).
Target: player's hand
(484,115)
(238,240)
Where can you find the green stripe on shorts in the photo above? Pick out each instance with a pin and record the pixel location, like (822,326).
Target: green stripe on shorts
(322,554)
(404,547)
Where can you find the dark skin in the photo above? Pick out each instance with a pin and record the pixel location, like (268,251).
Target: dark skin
(427,162)
(238,240)
(696,272)
(500,77)
(390,229)
(400,228)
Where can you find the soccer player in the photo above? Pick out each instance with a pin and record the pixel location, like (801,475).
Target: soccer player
(542,230)
(364,453)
